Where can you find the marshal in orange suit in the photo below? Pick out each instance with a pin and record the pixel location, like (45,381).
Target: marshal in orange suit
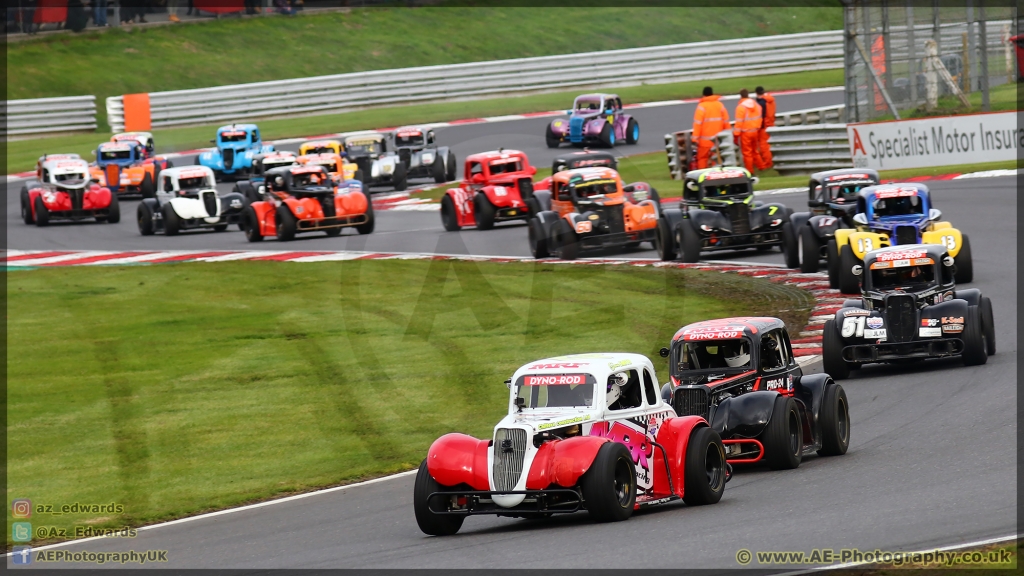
(744,132)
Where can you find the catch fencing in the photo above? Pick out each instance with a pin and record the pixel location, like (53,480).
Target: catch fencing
(41,116)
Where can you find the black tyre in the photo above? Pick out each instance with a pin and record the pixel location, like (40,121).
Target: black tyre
(607,136)
(42,214)
(568,243)
(26,208)
(783,436)
(538,241)
(832,263)
(285,223)
(988,324)
(220,227)
(849,283)
(689,241)
(484,212)
(171,222)
(195,161)
(399,177)
(832,352)
(790,246)
(550,139)
(168,164)
(437,170)
(632,131)
(609,486)
(251,225)
(964,263)
(810,250)
(975,352)
(665,241)
(705,469)
(654,196)
(451,166)
(147,187)
(834,420)
(371,222)
(449,218)
(429,522)
(113,211)
(359,176)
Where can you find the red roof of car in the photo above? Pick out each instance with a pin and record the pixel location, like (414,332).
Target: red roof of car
(724,328)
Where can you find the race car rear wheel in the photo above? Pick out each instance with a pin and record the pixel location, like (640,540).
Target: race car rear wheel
(964,263)
(705,470)
(689,240)
(428,521)
(538,242)
(832,352)
(988,324)
(484,212)
(171,222)
(42,214)
(849,283)
(285,223)
(810,250)
(783,436)
(220,227)
(451,166)
(448,216)
(113,210)
(665,241)
(975,351)
(832,263)
(251,225)
(567,243)
(399,177)
(437,170)
(609,486)
(26,208)
(550,139)
(834,420)
(632,131)
(371,221)
(790,247)
(148,188)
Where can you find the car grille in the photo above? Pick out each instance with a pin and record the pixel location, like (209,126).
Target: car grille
(612,216)
(900,317)
(327,204)
(113,174)
(405,155)
(739,216)
(210,203)
(576,129)
(509,453)
(76,197)
(229,158)
(906,234)
(691,402)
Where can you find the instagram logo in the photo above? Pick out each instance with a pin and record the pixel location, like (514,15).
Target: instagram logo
(21,508)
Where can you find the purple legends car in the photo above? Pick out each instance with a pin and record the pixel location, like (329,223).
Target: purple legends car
(594,118)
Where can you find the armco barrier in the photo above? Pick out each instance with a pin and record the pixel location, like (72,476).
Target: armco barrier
(656,64)
(803,149)
(25,118)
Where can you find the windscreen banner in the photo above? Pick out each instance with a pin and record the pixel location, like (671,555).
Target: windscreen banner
(940,141)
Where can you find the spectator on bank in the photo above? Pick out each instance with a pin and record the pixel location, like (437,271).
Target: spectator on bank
(99,13)
(172,11)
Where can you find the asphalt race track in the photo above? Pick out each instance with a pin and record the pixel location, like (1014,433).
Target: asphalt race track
(932,459)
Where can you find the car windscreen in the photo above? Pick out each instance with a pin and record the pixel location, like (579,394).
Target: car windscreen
(115,154)
(906,277)
(69,178)
(309,179)
(722,190)
(193,183)
(587,105)
(596,188)
(712,354)
(329,165)
(556,390)
(506,166)
(900,206)
(846,192)
(363,147)
(410,139)
(232,136)
(321,150)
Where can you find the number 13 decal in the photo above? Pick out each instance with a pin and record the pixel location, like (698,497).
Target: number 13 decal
(864,245)
(949,242)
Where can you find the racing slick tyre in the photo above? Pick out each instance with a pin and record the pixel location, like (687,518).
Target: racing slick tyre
(113,210)
(689,241)
(144,219)
(632,131)
(964,264)
(988,324)
(783,436)
(147,187)
(371,221)
(359,176)
(538,242)
(568,243)
(399,177)
(705,469)
(26,208)
(484,212)
(448,216)
(550,139)
(975,352)
(171,222)
(834,420)
(665,241)
(42,214)
(848,282)
(285,223)
(810,250)
(654,197)
(790,246)
(429,522)
(451,166)
(437,170)
(832,352)
(251,225)
(607,136)
(220,227)
(832,263)
(609,486)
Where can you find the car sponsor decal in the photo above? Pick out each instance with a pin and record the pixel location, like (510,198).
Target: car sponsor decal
(591,162)
(584,227)
(615,365)
(409,133)
(712,335)
(723,174)
(779,383)
(952,323)
(895,193)
(929,321)
(195,173)
(558,365)
(874,322)
(114,147)
(566,422)
(876,333)
(827,221)
(930,332)
(901,255)
(307,169)
(848,313)
(232,133)
(555,380)
(845,177)
(954,328)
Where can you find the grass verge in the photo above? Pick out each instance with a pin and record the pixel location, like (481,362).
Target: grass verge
(1002,98)
(985,560)
(177,389)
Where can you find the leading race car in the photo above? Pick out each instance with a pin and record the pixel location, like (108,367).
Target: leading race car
(910,310)
(718,212)
(236,146)
(187,199)
(379,166)
(497,186)
(740,375)
(891,215)
(422,156)
(594,119)
(321,147)
(67,193)
(145,139)
(833,202)
(587,431)
(590,209)
(126,168)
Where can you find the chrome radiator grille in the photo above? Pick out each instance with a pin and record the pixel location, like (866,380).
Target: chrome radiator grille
(900,317)
(691,402)
(739,217)
(509,453)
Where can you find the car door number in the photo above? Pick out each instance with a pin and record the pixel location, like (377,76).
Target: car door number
(853,325)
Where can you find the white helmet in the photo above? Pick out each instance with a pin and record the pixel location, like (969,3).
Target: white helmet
(737,355)
(615,384)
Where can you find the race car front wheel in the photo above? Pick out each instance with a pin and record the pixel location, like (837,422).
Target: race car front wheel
(171,222)
(834,420)
(783,436)
(964,263)
(484,212)
(538,241)
(975,351)
(371,219)
(285,224)
(810,250)
(26,208)
(113,210)
(251,225)
(705,470)
(568,244)
(790,249)
(689,240)
(550,139)
(448,216)
(849,283)
(665,241)
(632,131)
(426,517)
(42,214)
(988,323)
(832,352)
(609,486)
(437,170)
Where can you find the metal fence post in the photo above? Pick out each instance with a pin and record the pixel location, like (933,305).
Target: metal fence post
(849,61)
(936,27)
(983,78)
(970,58)
(911,53)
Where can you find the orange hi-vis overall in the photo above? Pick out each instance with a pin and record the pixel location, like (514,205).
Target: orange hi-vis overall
(710,118)
(748,123)
(767,102)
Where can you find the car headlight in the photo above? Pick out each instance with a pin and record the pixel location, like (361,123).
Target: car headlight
(427,158)
(705,228)
(777,221)
(388,168)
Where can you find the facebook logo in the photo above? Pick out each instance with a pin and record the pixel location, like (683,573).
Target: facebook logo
(22,555)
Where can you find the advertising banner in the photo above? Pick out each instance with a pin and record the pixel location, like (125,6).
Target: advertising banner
(941,141)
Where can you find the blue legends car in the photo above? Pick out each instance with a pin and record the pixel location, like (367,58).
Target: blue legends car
(236,146)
